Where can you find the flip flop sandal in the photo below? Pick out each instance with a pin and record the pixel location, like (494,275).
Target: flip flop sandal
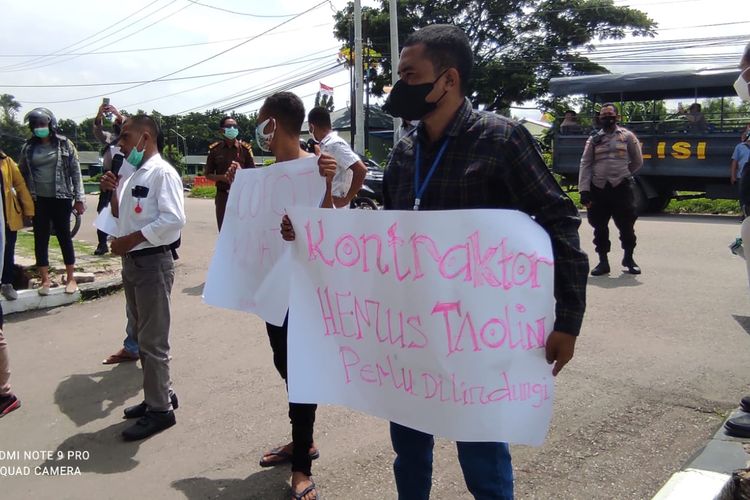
(71,288)
(284,457)
(117,358)
(309,489)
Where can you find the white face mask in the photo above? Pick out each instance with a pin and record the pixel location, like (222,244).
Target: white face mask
(742,87)
(263,139)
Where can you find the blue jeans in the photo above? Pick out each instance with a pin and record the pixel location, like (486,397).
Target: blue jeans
(130,343)
(486,466)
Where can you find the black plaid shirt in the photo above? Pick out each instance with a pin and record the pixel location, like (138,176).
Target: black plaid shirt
(492,162)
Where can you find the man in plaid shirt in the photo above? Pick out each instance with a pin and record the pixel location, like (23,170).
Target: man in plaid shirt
(459,158)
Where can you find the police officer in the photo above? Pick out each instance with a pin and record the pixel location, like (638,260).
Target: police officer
(611,157)
(221,156)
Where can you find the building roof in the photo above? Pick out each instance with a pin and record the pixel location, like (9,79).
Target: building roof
(89,157)
(538,123)
(195,159)
(649,85)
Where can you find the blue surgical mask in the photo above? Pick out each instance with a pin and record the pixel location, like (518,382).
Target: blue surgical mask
(231,132)
(135,157)
(41,132)
(264,140)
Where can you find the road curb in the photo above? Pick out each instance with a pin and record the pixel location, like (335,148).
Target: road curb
(30,300)
(710,469)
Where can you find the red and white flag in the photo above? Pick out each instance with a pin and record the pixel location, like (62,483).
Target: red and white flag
(326,90)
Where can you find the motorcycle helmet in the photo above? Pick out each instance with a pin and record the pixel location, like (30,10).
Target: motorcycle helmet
(41,114)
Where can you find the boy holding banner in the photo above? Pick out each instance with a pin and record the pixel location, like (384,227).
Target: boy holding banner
(279,122)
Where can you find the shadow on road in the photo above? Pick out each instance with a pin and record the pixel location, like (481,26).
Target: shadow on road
(620,281)
(107,452)
(195,291)
(88,397)
(744,322)
(270,484)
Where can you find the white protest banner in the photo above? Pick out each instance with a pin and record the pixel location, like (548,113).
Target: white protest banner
(105,221)
(434,320)
(249,270)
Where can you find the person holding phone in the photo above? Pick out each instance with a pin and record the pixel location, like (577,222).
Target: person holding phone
(108,140)
(49,164)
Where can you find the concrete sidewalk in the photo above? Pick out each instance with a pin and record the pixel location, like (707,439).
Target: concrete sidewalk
(706,474)
(96,276)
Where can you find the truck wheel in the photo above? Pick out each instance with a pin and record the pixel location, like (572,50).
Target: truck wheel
(658,204)
(641,200)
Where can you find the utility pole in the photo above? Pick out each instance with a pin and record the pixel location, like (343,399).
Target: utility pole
(184,143)
(393,11)
(352,93)
(367,98)
(359,138)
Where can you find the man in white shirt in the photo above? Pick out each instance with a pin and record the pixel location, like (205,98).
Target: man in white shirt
(350,171)
(150,216)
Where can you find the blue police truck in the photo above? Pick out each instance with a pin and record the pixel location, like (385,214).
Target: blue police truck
(680,154)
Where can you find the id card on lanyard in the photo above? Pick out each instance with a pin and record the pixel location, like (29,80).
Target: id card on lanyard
(421,187)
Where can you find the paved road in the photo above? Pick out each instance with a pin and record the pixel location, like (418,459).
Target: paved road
(661,358)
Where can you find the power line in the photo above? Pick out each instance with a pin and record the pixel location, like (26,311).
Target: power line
(703,26)
(184,91)
(110,84)
(241,13)
(283,79)
(148,49)
(186,67)
(90,36)
(138,31)
(289,86)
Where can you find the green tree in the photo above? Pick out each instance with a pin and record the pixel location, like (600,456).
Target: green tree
(10,107)
(518,45)
(12,137)
(12,133)
(175,158)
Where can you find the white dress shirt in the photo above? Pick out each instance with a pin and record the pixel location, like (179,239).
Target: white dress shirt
(345,158)
(160,214)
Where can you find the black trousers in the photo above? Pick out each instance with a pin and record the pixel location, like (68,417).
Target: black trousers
(221,206)
(301,415)
(617,203)
(56,211)
(9,259)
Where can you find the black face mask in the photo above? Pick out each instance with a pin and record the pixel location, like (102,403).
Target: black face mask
(408,101)
(608,122)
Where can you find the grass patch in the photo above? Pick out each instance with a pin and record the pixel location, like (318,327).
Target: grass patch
(703,206)
(692,206)
(25,246)
(203,192)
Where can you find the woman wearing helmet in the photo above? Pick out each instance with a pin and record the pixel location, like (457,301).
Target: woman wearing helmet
(49,163)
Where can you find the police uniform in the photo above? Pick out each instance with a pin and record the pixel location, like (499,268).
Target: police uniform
(221,154)
(152,203)
(606,178)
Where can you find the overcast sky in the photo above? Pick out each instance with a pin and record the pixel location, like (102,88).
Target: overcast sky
(45,27)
